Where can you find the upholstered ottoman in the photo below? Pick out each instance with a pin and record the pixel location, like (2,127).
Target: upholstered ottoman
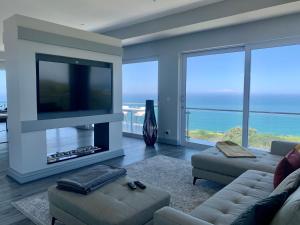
(113,204)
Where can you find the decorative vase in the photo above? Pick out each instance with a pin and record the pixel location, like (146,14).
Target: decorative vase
(150,125)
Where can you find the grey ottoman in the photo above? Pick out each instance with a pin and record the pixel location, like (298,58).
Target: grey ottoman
(113,204)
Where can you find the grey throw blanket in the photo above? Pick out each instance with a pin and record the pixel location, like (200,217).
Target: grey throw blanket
(90,179)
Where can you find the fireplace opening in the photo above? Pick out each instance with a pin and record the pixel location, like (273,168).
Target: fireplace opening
(73,142)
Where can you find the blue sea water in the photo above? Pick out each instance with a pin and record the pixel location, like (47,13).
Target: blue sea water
(277,124)
(216,121)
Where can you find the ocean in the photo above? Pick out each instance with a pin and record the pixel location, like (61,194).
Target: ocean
(216,121)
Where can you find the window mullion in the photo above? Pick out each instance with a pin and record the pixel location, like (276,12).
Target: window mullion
(247,78)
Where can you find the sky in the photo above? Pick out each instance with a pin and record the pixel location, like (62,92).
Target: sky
(220,73)
(140,78)
(2,86)
(273,71)
(276,70)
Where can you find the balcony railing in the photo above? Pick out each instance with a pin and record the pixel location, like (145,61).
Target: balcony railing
(208,124)
(3,106)
(134,114)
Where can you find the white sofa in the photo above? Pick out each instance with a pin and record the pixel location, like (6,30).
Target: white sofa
(226,205)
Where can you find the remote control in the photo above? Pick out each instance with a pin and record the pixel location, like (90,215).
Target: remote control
(131,185)
(140,184)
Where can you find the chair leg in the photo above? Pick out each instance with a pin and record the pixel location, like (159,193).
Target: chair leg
(53,220)
(194,181)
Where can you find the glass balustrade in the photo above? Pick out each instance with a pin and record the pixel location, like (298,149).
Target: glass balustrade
(134,114)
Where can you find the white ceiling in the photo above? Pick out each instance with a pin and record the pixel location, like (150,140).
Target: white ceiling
(95,14)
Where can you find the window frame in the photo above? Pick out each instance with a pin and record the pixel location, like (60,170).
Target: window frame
(184,57)
(247,48)
(142,60)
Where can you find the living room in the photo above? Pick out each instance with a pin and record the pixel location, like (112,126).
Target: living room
(188,108)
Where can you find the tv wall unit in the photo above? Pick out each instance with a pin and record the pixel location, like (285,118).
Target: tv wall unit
(25,37)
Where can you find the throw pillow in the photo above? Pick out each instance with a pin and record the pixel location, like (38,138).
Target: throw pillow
(263,211)
(294,157)
(289,212)
(290,183)
(283,169)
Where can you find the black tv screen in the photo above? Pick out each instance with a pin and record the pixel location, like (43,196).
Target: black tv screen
(70,87)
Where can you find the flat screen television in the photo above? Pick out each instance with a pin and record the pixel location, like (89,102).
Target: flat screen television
(71,87)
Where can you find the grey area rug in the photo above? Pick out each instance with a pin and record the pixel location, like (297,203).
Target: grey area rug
(170,174)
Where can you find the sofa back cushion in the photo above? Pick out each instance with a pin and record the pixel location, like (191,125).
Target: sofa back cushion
(263,211)
(282,147)
(289,214)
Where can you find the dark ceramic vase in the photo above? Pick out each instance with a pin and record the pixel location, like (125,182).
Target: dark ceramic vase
(150,125)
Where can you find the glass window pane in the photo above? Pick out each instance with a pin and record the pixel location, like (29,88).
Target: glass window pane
(140,83)
(3,105)
(213,126)
(213,83)
(274,93)
(3,97)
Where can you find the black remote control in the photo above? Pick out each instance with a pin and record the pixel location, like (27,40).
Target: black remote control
(131,185)
(140,184)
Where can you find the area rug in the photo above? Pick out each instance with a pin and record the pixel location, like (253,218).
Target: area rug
(170,174)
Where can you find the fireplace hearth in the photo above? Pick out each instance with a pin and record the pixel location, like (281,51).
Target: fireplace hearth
(79,152)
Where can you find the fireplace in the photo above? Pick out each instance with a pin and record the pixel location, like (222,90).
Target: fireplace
(101,144)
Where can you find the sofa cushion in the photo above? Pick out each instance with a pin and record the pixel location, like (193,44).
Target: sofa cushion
(282,147)
(213,160)
(263,211)
(289,214)
(227,204)
(170,216)
(291,182)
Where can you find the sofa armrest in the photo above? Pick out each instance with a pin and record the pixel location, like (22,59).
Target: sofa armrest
(282,147)
(170,216)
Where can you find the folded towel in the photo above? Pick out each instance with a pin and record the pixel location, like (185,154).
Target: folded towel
(233,150)
(90,179)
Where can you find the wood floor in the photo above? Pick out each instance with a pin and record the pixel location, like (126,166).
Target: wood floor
(10,191)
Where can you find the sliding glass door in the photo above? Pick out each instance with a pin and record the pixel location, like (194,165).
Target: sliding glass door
(140,82)
(3,107)
(3,98)
(247,96)
(274,96)
(214,96)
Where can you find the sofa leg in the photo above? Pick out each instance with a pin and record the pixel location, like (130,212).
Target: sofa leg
(53,220)
(194,181)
